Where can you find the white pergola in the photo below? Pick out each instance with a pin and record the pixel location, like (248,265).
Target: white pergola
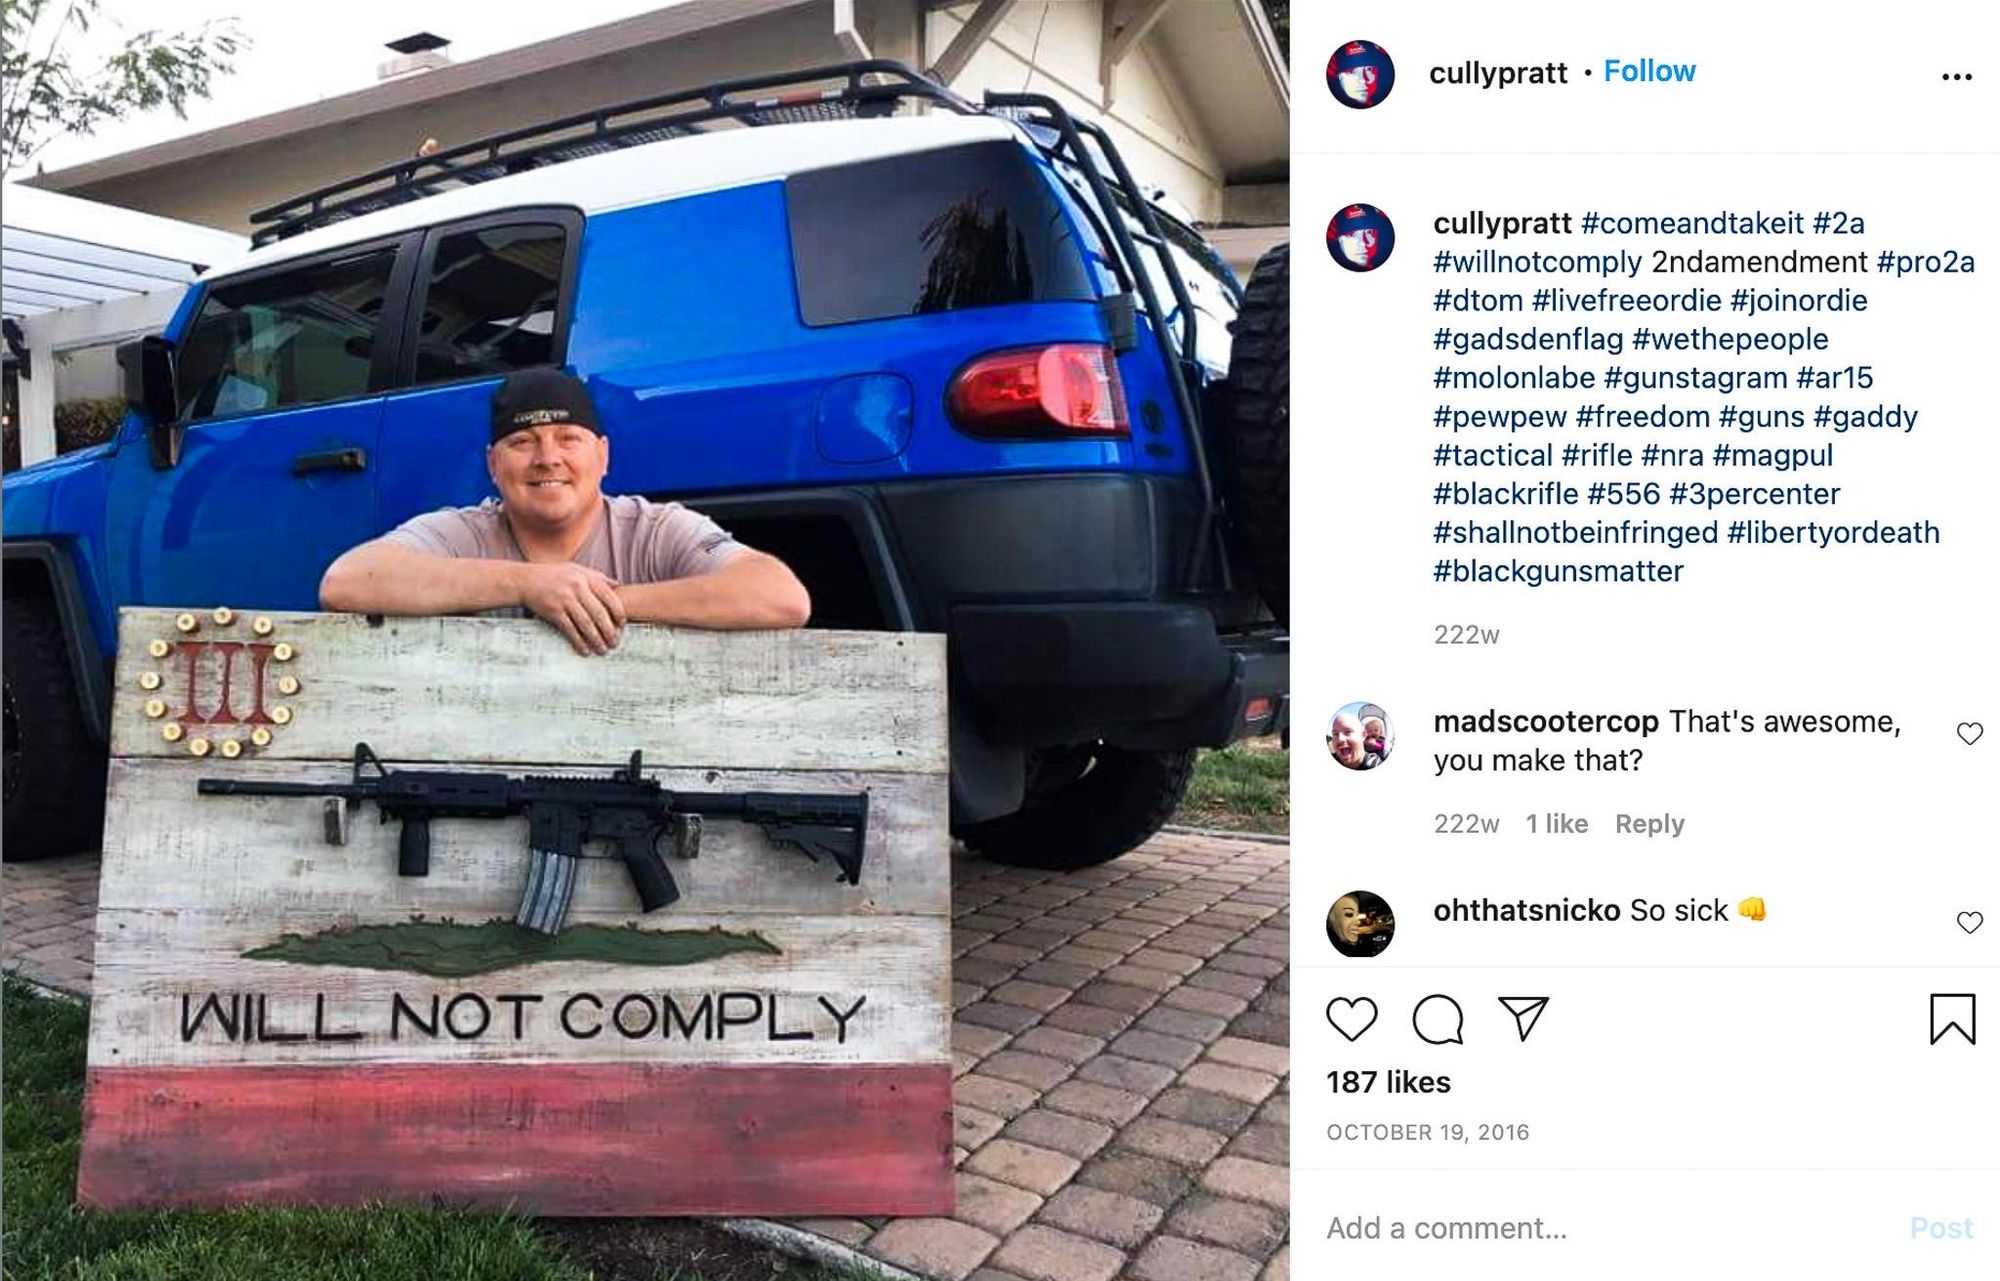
(75,273)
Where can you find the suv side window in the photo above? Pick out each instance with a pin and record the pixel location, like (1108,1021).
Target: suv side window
(489,305)
(289,338)
(972,226)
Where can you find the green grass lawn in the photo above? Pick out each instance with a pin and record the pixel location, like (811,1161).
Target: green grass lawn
(41,1097)
(1243,787)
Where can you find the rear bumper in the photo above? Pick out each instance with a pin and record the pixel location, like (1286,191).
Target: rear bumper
(1136,674)
(1063,599)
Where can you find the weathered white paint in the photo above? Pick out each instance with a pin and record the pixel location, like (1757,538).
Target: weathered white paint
(171,848)
(191,883)
(481,689)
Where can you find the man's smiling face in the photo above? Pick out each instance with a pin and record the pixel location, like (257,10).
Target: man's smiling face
(550,476)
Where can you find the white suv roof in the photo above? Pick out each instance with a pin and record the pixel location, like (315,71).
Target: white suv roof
(652,172)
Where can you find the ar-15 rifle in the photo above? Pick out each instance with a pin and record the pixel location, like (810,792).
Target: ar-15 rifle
(627,810)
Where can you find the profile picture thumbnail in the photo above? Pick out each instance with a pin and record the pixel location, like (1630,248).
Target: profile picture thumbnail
(1360,74)
(1360,924)
(1360,237)
(1359,737)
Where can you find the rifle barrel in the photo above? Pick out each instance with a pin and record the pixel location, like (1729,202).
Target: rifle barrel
(250,787)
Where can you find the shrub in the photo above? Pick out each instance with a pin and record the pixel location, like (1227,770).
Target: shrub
(83,423)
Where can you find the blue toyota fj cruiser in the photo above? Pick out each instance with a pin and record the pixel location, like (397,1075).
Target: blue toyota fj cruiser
(945,359)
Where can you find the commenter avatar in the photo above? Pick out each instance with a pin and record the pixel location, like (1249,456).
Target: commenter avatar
(1360,924)
(1359,736)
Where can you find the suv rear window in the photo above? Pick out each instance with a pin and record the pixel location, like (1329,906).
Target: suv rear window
(972,226)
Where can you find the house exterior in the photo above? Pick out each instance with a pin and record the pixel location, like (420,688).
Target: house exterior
(1193,91)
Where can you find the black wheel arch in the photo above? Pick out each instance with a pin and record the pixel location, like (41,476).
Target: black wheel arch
(41,569)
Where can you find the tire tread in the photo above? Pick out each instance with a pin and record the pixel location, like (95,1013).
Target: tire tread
(60,805)
(1258,443)
(1112,810)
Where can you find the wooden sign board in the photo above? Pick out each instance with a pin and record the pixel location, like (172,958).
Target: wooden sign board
(279,1018)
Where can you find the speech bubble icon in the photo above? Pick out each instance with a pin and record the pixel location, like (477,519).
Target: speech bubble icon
(1439,1020)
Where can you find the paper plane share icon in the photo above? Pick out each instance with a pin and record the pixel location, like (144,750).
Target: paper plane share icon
(1527,1011)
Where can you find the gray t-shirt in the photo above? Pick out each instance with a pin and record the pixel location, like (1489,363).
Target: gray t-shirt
(638,541)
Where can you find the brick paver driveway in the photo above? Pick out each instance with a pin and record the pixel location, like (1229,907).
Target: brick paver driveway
(47,913)
(1122,1055)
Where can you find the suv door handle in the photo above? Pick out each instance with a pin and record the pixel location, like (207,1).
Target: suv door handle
(351,458)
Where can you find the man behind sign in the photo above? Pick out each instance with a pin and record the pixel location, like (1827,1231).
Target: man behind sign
(556,547)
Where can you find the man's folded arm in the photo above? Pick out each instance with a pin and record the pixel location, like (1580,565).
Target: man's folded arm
(750,590)
(383,577)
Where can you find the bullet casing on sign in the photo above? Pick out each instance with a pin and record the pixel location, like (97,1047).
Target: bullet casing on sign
(155,708)
(261,626)
(260,736)
(231,748)
(171,732)
(224,616)
(288,685)
(282,715)
(158,648)
(149,680)
(283,652)
(187,622)
(197,747)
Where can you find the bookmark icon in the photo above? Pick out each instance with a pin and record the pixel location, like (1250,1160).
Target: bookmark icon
(1955,1012)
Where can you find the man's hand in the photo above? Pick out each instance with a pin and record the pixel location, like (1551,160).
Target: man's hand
(578,601)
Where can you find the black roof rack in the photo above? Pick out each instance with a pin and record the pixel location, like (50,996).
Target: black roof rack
(846,91)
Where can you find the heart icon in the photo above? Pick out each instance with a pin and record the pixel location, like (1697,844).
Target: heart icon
(1967,921)
(1351,1017)
(1969,732)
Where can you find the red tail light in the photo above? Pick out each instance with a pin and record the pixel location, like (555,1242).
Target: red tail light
(1068,389)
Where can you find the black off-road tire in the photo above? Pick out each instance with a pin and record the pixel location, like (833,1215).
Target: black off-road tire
(1257,431)
(1086,805)
(54,769)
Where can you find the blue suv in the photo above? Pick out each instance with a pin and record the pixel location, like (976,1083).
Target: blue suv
(946,360)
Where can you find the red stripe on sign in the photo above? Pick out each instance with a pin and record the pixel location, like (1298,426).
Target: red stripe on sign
(596,1139)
